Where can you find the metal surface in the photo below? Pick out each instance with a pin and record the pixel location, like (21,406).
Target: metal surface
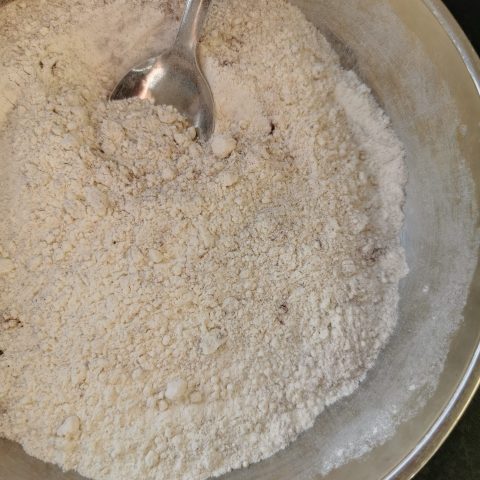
(174,77)
(427,77)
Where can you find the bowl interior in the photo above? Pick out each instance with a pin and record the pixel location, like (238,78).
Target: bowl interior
(414,68)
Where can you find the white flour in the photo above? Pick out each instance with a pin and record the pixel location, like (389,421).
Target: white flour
(173,311)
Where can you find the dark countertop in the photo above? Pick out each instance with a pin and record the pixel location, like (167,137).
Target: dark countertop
(459,457)
(467,13)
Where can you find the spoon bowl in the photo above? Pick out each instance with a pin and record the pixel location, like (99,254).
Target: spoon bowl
(174,77)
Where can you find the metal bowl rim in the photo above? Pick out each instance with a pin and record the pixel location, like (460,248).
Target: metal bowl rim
(470,381)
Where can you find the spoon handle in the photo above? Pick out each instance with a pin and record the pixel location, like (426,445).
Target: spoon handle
(191,25)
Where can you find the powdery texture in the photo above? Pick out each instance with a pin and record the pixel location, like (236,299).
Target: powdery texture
(175,311)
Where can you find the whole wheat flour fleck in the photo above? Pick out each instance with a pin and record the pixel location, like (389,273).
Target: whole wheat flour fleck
(170,310)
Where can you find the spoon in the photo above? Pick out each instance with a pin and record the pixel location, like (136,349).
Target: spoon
(174,77)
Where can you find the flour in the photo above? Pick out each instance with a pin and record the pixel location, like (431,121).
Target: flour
(173,310)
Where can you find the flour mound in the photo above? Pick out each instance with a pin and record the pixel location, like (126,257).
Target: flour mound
(173,310)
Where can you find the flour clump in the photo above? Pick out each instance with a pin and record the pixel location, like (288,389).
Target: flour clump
(173,310)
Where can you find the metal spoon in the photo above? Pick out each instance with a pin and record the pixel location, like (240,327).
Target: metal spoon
(174,77)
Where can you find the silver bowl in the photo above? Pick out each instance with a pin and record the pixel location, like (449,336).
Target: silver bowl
(427,77)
